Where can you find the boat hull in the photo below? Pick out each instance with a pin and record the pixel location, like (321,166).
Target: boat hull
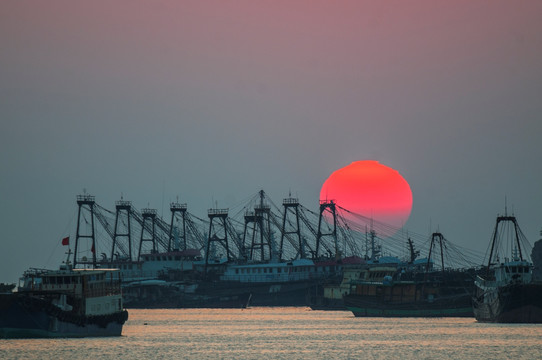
(320,302)
(25,317)
(518,303)
(218,294)
(458,306)
(261,294)
(170,297)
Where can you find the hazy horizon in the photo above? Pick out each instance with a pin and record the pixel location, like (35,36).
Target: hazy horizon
(211,101)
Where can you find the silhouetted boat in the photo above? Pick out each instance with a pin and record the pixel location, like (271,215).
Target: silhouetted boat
(268,284)
(160,294)
(328,294)
(430,297)
(508,293)
(64,303)
(330,297)
(388,291)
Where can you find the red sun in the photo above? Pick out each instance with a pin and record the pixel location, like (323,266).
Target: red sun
(370,189)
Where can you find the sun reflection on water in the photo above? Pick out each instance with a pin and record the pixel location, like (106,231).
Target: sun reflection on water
(289,333)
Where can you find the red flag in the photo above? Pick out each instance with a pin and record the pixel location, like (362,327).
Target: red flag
(66,241)
(92,249)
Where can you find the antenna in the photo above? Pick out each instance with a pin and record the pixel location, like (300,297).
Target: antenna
(68,253)
(163,194)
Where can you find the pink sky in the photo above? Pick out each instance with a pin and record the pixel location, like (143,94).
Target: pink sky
(212,101)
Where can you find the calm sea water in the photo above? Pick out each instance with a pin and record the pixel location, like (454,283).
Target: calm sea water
(288,333)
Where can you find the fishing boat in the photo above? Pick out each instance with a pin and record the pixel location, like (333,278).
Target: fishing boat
(177,265)
(261,270)
(267,284)
(354,269)
(424,298)
(328,294)
(66,302)
(390,291)
(508,293)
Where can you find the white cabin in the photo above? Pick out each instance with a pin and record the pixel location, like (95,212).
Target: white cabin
(296,270)
(514,271)
(98,289)
(154,265)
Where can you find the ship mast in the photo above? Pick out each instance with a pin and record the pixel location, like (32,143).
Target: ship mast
(375,253)
(218,232)
(262,222)
(330,207)
(176,207)
(123,211)
(504,219)
(436,236)
(86,203)
(148,227)
(413,253)
(291,205)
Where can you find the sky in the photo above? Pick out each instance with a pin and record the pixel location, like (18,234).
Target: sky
(210,101)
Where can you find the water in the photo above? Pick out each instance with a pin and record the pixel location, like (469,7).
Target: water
(289,333)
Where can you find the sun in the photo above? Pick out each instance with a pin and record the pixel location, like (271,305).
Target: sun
(372,190)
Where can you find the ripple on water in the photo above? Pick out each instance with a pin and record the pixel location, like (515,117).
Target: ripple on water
(289,333)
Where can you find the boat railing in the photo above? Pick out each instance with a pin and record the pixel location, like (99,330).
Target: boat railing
(266,278)
(107,290)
